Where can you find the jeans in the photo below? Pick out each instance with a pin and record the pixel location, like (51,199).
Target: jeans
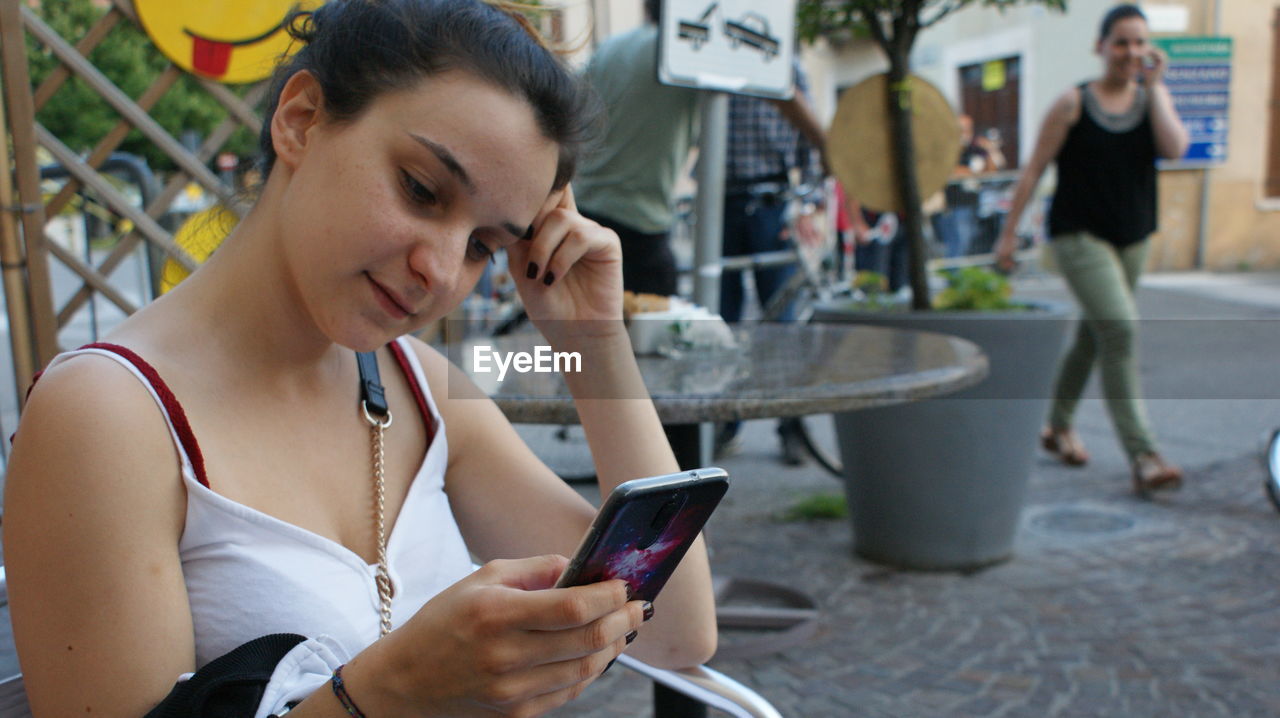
(1102,278)
(752,225)
(956,227)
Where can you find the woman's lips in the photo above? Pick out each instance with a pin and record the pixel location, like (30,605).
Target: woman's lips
(389,302)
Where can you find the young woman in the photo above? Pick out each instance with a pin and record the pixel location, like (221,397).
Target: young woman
(1105,136)
(208,476)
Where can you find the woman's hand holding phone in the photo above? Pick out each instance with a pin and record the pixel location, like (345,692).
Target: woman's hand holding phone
(501,640)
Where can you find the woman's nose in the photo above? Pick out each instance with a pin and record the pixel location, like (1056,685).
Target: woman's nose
(437,261)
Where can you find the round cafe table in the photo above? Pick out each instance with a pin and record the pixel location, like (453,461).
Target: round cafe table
(776,370)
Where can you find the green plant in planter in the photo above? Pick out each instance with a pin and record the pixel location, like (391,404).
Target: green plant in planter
(975,289)
(869,282)
(871,291)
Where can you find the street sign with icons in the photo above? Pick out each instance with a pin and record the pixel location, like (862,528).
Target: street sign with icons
(739,46)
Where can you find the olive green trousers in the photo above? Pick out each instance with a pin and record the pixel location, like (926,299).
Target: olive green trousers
(1103,278)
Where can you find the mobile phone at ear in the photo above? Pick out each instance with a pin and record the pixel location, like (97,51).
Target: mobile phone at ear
(643,530)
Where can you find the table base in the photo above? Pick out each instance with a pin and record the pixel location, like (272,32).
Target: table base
(747,603)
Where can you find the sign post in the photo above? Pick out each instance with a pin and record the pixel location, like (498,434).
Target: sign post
(739,46)
(736,46)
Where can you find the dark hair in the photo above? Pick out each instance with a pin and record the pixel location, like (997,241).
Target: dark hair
(1115,15)
(360,49)
(653,11)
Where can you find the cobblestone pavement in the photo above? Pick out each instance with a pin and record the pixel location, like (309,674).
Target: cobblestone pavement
(1112,606)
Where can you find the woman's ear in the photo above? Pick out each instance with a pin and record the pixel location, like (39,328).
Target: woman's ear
(297,113)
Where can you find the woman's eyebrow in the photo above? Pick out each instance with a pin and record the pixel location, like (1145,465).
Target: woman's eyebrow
(446,158)
(456,169)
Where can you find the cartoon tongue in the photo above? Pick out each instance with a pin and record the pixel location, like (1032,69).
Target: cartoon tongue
(209,57)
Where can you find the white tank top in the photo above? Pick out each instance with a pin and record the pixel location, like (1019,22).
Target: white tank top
(249,574)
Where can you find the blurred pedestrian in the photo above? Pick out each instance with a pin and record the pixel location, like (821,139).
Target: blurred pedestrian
(957,224)
(1105,136)
(767,140)
(627,180)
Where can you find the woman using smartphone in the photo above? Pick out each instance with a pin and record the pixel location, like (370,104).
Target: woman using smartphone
(1105,136)
(208,475)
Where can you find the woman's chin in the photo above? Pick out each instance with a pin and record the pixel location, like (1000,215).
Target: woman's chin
(364,338)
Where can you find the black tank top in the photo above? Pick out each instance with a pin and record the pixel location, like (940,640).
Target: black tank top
(1107,174)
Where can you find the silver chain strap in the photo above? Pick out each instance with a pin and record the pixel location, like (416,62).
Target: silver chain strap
(382,577)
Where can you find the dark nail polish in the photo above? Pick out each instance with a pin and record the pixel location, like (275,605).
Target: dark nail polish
(648,610)
(532,271)
(606,668)
(549,278)
(631,636)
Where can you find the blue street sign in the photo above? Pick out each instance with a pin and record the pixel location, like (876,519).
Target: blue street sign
(1199,79)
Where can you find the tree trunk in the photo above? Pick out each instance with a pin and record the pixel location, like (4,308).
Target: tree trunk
(904,153)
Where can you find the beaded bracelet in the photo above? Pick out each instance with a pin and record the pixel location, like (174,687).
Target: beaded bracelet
(340,690)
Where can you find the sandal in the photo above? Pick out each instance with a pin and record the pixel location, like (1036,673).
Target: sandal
(1151,473)
(1066,445)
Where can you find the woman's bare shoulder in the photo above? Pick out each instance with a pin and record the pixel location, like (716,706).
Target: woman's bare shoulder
(94,508)
(88,415)
(1066,107)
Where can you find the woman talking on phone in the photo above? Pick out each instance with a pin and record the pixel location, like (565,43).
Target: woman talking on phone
(1105,136)
(210,474)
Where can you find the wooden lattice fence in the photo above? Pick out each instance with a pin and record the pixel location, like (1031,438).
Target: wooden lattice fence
(26,248)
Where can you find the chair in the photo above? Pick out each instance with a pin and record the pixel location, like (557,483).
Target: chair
(677,694)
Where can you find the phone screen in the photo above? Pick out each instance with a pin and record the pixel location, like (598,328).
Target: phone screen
(643,531)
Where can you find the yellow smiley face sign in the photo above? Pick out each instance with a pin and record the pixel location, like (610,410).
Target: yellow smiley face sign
(230,41)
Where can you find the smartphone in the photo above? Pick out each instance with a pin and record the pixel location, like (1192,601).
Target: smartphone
(643,530)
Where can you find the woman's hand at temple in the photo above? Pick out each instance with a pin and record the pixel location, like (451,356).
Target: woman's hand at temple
(570,269)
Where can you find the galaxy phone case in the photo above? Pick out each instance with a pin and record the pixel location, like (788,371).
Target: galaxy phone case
(644,529)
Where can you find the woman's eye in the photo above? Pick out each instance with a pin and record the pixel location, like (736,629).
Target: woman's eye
(478,251)
(415,189)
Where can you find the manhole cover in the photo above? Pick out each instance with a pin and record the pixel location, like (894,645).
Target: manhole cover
(1081,521)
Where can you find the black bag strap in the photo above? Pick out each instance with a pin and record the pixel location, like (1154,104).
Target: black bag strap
(231,685)
(372,395)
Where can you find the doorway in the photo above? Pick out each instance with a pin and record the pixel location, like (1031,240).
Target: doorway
(989,93)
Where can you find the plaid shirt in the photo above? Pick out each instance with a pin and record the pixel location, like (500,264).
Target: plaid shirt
(764,145)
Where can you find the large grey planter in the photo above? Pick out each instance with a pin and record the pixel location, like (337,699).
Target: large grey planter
(939,484)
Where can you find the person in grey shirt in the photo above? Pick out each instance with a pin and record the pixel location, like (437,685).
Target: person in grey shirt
(627,179)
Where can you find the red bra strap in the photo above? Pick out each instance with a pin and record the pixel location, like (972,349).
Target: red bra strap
(418,396)
(176,415)
(182,426)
